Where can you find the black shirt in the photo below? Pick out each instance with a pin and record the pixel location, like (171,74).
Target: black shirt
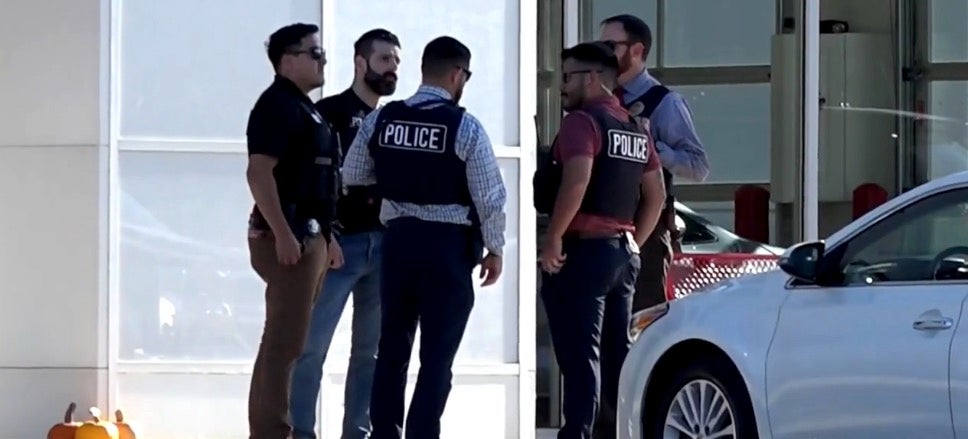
(284,124)
(358,209)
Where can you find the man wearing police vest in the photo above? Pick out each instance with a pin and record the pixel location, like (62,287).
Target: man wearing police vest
(443,205)
(604,192)
(670,121)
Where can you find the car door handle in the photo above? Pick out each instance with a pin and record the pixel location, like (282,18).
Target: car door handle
(933,324)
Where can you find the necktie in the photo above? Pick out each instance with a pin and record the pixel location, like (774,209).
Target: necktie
(620,94)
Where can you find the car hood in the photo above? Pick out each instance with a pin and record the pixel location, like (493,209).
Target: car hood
(744,291)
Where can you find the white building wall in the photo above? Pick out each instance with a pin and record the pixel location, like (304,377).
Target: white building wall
(53,151)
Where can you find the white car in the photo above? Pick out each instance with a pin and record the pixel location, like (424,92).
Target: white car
(859,336)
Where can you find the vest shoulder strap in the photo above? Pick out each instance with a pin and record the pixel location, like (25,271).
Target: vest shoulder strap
(652,98)
(447,103)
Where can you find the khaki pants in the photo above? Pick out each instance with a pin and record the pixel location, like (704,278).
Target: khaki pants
(290,294)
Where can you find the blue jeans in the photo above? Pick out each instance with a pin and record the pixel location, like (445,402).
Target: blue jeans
(360,275)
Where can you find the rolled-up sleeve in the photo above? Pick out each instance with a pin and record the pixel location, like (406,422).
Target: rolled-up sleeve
(484,182)
(678,145)
(358,168)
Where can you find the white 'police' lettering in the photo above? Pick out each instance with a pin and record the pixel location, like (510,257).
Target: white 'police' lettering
(414,136)
(627,145)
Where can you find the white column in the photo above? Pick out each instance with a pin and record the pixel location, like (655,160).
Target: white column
(811,118)
(527,218)
(53,180)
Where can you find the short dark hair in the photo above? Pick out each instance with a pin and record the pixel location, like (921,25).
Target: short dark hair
(635,27)
(364,45)
(599,55)
(442,55)
(287,39)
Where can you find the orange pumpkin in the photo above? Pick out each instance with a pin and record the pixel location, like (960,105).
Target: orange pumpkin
(96,428)
(66,429)
(125,430)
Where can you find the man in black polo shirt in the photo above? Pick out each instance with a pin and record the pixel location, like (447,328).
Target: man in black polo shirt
(293,177)
(360,234)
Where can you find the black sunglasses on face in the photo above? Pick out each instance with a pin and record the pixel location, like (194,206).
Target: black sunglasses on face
(315,53)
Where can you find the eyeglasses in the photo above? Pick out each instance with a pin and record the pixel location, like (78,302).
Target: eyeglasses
(565,76)
(315,53)
(613,44)
(466,72)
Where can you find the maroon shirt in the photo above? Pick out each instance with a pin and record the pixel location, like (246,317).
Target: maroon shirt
(580,136)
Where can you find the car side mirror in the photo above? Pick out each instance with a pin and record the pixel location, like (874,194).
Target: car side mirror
(802,261)
(680,225)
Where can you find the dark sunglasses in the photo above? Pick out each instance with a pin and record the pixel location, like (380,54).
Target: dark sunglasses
(315,53)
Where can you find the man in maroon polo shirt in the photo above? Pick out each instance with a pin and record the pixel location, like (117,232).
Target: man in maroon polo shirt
(604,191)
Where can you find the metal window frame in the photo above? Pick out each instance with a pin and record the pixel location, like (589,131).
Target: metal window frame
(921,74)
(688,76)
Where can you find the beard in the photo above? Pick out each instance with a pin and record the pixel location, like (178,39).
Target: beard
(383,84)
(572,101)
(458,94)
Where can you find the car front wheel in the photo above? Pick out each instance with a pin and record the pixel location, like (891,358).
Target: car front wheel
(705,400)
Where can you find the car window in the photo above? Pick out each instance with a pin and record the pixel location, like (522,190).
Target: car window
(695,233)
(928,240)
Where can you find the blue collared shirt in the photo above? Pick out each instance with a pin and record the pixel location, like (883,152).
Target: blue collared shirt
(483,175)
(680,149)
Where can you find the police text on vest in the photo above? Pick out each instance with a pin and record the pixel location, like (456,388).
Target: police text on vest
(414,136)
(627,145)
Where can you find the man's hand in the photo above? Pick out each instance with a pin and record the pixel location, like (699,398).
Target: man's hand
(491,268)
(288,250)
(552,258)
(335,254)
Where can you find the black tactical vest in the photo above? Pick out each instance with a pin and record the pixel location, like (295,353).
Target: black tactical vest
(614,188)
(324,177)
(414,152)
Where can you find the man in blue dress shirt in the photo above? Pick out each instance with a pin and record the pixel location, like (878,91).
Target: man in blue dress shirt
(680,150)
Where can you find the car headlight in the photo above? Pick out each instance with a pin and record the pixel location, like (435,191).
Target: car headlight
(646,317)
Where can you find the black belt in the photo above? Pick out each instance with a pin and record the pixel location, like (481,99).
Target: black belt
(593,235)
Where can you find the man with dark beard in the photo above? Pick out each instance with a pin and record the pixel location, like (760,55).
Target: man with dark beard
(360,234)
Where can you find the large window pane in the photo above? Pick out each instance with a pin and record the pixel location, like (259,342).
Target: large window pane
(717,32)
(948,125)
(733,122)
(602,9)
(187,289)
(209,406)
(194,68)
(949,35)
(488,28)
